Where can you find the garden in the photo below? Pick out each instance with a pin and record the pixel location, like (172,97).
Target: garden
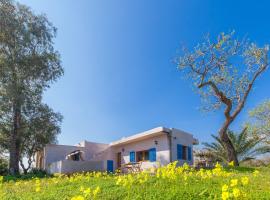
(169,182)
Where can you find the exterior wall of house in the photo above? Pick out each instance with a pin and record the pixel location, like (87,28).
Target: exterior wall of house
(92,148)
(54,153)
(69,166)
(183,138)
(165,141)
(162,151)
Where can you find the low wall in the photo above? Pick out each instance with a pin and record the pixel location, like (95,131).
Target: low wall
(70,166)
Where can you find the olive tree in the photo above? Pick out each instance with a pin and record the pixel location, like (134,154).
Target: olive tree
(41,126)
(224,71)
(28,65)
(260,121)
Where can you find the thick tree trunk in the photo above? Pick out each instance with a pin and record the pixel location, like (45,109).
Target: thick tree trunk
(231,153)
(14,150)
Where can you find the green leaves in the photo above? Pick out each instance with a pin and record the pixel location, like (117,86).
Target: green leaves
(29,64)
(247,146)
(260,120)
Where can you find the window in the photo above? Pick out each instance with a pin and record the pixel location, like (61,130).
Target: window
(76,157)
(132,156)
(182,152)
(142,156)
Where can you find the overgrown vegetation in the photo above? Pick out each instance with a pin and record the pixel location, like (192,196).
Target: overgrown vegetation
(247,146)
(169,182)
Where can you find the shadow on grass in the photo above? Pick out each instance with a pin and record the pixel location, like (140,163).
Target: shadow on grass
(240,169)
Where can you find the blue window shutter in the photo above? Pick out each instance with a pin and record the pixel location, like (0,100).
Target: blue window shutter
(189,153)
(132,156)
(152,155)
(179,152)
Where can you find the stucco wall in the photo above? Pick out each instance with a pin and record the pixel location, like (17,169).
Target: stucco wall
(92,148)
(69,166)
(55,153)
(162,150)
(181,137)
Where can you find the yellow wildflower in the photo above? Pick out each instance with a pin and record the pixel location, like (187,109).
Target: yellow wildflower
(218,165)
(96,191)
(234,182)
(38,189)
(87,192)
(236,192)
(225,195)
(225,188)
(245,180)
(231,164)
(78,198)
(255,173)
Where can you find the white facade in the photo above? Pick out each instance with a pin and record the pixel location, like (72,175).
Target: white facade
(153,148)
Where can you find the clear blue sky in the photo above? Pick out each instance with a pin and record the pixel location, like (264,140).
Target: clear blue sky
(117,55)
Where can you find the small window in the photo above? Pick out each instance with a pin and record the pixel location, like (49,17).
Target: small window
(142,156)
(184,153)
(76,157)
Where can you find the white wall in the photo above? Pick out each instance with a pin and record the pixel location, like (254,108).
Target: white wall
(162,150)
(102,152)
(92,148)
(70,166)
(180,137)
(53,153)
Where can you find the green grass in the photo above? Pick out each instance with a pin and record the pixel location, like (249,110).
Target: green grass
(152,187)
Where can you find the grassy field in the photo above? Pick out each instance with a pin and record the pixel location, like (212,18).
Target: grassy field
(166,183)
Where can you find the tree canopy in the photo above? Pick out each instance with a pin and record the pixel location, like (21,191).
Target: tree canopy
(28,65)
(223,71)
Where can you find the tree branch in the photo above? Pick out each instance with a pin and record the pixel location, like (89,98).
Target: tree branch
(242,102)
(221,96)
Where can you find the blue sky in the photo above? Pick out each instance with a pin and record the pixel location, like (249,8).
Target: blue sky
(119,75)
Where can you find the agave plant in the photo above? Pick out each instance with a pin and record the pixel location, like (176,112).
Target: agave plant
(247,146)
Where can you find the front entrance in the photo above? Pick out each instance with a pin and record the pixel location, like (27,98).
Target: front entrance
(118,160)
(109,165)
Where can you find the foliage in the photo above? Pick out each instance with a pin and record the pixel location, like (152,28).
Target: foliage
(3,165)
(29,64)
(169,182)
(247,146)
(41,127)
(33,173)
(224,72)
(260,120)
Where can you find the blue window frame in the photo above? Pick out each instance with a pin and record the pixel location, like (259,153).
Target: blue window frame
(132,156)
(179,152)
(152,155)
(189,153)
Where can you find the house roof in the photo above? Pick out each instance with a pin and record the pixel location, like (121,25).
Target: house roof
(148,134)
(140,136)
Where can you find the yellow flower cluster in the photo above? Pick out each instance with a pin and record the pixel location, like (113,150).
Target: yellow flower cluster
(86,193)
(231,185)
(233,190)
(38,185)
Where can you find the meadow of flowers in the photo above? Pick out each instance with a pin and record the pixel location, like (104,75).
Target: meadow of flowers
(168,182)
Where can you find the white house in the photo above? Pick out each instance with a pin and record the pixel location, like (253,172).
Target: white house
(152,148)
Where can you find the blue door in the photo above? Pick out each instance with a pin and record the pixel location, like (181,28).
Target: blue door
(109,165)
